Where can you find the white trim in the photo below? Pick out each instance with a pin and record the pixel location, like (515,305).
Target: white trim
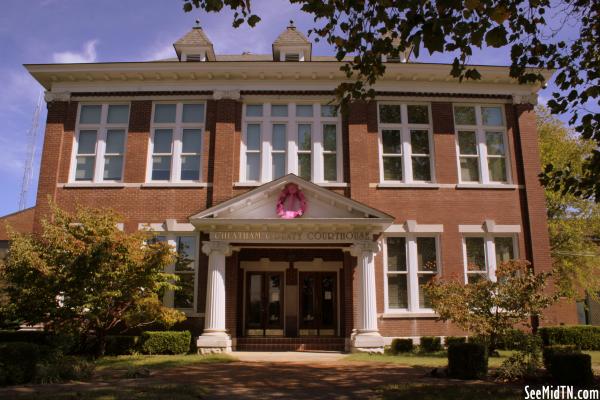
(101,128)
(291,121)
(177,128)
(489,251)
(410,226)
(412,273)
(489,227)
(407,154)
(386,185)
(499,186)
(482,152)
(175,184)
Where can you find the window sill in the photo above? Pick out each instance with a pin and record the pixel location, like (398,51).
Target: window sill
(246,184)
(501,186)
(175,185)
(74,185)
(322,184)
(390,185)
(409,314)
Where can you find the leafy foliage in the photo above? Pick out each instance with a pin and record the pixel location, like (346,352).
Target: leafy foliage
(525,363)
(572,369)
(536,31)
(467,360)
(582,336)
(488,308)
(166,342)
(574,223)
(83,275)
(401,346)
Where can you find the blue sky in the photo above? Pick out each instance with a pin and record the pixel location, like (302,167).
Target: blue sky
(45,31)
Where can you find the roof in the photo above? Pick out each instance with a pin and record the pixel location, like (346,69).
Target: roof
(195,37)
(291,36)
(258,57)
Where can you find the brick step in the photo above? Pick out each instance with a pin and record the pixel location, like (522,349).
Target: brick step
(290,344)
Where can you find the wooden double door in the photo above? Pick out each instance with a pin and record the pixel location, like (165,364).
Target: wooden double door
(317,303)
(264,303)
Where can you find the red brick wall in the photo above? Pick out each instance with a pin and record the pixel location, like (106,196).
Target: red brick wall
(138,138)
(21,221)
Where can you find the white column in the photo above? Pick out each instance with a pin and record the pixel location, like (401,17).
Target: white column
(215,339)
(366,337)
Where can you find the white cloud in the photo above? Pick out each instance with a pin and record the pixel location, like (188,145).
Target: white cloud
(161,53)
(87,55)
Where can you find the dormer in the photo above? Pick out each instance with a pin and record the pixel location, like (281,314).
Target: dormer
(195,46)
(291,45)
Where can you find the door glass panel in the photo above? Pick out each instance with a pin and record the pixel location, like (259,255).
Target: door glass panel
(274,317)
(255,300)
(327,302)
(308,300)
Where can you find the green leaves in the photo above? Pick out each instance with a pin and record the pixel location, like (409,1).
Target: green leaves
(496,37)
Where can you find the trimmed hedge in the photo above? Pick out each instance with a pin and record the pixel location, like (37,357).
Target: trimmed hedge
(18,362)
(514,339)
(430,344)
(118,345)
(572,369)
(584,337)
(401,346)
(467,361)
(165,342)
(550,352)
(450,340)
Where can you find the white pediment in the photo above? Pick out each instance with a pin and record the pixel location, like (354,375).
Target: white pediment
(260,206)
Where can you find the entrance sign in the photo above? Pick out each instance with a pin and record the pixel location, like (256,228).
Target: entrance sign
(304,237)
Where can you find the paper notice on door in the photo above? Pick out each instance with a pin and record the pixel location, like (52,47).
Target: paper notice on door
(274,297)
(327,295)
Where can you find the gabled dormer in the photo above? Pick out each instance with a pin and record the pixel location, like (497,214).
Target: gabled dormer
(195,46)
(291,45)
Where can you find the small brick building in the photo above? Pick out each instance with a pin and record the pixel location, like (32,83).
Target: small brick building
(220,153)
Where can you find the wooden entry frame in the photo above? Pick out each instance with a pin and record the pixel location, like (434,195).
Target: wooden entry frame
(318,303)
(258,321)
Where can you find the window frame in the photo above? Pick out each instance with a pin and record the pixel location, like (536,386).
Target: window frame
(406,129)
(101,129)
(177,129)
(291,121)
(412,271)
(489,247)
(480,138)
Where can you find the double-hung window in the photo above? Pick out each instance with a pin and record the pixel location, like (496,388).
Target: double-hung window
(481,144)
(176,143)
(100,143)
(410,263)
(299,138)
(484,253)
(185,268)
(405,138)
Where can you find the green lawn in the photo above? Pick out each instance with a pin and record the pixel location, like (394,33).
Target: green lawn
(449,392)
(157,362)
(439,359)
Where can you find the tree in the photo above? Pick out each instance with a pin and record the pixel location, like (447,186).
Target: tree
(82,275)
(537,32)
(574,223)
(490,309)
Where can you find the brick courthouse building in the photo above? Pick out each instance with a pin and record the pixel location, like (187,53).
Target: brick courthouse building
(219,153)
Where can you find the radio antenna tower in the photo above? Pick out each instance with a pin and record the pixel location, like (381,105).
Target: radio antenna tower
(31,142)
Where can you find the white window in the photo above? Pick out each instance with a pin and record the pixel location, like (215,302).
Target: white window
(176,142)
(481,143)
(99,147)
(483,253)
(405,143)
(186,269)
(299,138)
(410,262)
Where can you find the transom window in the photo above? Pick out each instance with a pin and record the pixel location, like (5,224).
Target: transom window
(100,143)
(405,138)
(410,263)
(186,270)
(176,143)
(299,138)
(481,143)
(482,254)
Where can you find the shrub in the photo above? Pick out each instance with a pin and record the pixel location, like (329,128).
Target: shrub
(18,362)
(550,351)
(401,346)
(467,361)
(450,340)
(117,345)
(525,362)
(514,339)
(64,368)
(430,344)
(584,337)
(165,342)
(66,343)
(572,368)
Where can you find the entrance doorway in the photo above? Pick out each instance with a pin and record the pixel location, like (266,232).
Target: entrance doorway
(264,312)
(318,303)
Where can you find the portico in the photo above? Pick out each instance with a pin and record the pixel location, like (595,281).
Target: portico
(292,269)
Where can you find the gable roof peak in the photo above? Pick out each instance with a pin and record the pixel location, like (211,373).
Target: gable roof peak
(195,40)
